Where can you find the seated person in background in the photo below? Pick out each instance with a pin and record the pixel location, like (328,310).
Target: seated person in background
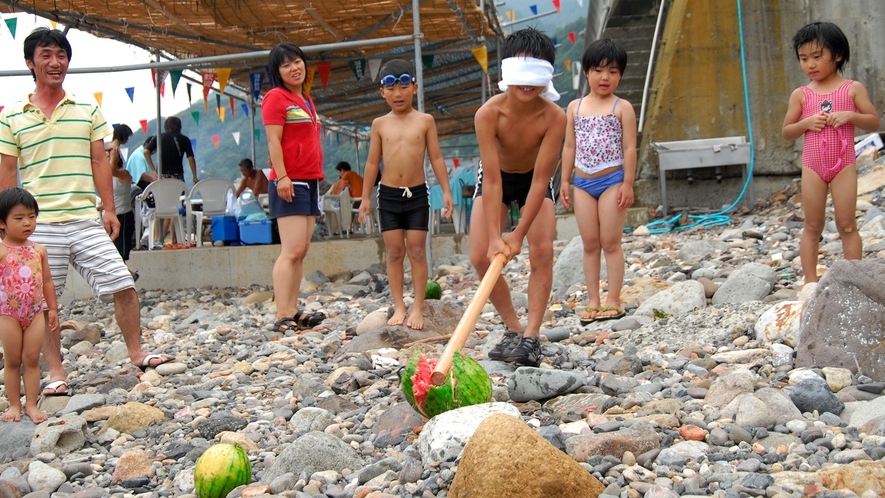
(350,180)
(142,173)
(253,179)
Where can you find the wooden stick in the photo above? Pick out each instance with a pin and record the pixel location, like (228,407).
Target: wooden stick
(468,320)
(427,339)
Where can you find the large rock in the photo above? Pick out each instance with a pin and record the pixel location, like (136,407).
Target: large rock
(395,424)
(568,268)
(59,436)
(780,323)
(750,282)
(842,322)
(445,435)
(779,403)
(507,458)
(131,465)
(310,419)
(730,386)
(637,439)
(858,413)
(42,477)
(440,318)
(313,452)
(132,417)
(14,435)
(859,477)
(749,411)
(529,383)
(698,249)
(675,456)
(814,394)
(677,300)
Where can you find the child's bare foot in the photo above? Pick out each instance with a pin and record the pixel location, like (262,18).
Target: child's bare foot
(416,320)
(399,315)
(13,414)
(36,415)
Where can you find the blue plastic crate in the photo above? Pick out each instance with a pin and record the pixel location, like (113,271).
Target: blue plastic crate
(255,232)
(224,228)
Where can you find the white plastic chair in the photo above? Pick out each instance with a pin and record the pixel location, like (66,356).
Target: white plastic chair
(168,194)
(373,222)
(339,207)
(213,192)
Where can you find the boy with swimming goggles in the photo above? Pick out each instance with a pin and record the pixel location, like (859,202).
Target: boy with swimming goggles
(401,138)
(600,147)
(520,136)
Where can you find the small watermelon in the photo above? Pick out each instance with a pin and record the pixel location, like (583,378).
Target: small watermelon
(468,384)
(433,290)
(220,469)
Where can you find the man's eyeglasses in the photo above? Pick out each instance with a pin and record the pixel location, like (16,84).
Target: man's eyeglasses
(391,80)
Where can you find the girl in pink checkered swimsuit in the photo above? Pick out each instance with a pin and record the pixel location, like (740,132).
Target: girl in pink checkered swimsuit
(25,283)
(825,112)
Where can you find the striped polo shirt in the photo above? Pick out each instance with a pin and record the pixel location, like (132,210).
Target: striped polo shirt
(54,154)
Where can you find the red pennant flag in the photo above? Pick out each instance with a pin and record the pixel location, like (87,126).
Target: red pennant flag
(215,140)
(325,69)
(232,106)
(1,108)
(208,79)
(571,36)
(163,89)
(143,125)
(456,162)
(558,7)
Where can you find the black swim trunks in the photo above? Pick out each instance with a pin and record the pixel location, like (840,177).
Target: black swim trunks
(401,208)
(514,186)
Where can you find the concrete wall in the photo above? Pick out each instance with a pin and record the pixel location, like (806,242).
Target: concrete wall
(698,87)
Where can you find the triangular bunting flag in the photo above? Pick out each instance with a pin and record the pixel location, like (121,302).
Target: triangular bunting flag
(161,77)
(555,42)
(456,162)
(581,3)
(131,93)
(236,135)
(208,79)
(1,108)
(359,68)
(269,77)
(11,24)
(568,65)
(482,56)
(534,9)
(374,67)
(53,24)
(513,15)
(176,77)
(571,37)
(196,116)
(427,60)
(221,114)
(97,96)
(231,107)
(223,74)
(194,144)
(558,6)
(188,87)
(508,15)
(576,75)
(215,140)
(245,109)
(257,133)
(257,83)
(325,69)
(124,152)
(143,123)
(308,83)
(218,101)
(163,89)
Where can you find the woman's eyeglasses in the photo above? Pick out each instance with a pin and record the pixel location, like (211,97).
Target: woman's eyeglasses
(391,80)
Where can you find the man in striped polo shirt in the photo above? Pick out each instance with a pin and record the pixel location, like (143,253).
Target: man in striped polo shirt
(55,142)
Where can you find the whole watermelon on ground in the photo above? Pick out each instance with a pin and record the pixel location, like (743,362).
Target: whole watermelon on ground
(433,290)
(220,469)
(467,384)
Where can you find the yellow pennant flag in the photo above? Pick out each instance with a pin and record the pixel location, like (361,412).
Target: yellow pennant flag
(482,56)
(223,75)
(97,96)
(53,24)
(221,113)
(311,71)
(568,65)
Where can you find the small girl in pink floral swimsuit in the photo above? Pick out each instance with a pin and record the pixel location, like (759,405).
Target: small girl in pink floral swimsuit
(25,283)
(825,112)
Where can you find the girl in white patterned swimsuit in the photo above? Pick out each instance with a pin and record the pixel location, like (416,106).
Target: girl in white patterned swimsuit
(600,148)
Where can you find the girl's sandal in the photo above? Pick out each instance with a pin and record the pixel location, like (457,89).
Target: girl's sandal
(286,324)
(309,320)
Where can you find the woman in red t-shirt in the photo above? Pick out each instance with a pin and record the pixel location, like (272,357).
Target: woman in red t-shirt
(293,140)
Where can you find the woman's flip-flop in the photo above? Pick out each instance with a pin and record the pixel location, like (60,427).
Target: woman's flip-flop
(55,385)
(146,362)
(586,321)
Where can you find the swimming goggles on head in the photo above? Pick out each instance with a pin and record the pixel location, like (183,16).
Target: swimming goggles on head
(391,80)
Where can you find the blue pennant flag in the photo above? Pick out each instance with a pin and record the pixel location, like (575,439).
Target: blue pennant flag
(245,109)
(193,144)
(131,93)
(257,83)
(269,77)
(534,9)
(217,100)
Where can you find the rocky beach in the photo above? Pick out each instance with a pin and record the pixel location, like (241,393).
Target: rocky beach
(723,379)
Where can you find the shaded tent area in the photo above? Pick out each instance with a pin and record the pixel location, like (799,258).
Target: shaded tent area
(202,28)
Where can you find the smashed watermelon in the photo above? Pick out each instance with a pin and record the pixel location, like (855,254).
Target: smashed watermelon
(468,384)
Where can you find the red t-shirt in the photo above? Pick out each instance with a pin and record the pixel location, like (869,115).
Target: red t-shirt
(302,150)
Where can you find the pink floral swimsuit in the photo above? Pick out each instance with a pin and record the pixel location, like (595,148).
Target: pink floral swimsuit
(21,283)
(598,140)
(827,152)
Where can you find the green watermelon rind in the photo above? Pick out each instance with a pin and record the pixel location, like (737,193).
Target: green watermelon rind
(474,387)
(407,384)
(212,480)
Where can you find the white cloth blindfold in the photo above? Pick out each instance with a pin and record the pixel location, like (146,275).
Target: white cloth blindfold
(528,71)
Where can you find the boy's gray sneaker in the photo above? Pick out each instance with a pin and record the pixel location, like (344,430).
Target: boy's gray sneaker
(527,353)
(505,346)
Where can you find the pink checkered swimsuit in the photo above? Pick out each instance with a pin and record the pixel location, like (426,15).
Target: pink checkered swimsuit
(829,151)
(21,283)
